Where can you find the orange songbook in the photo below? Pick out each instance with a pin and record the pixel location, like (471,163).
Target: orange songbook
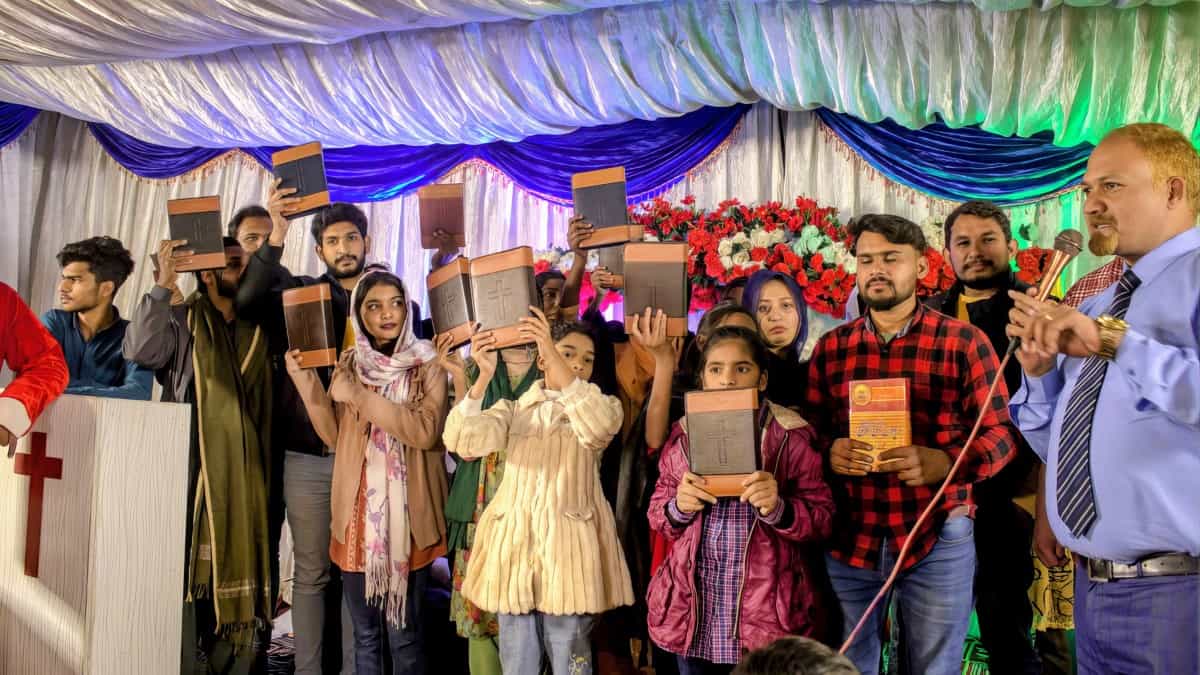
(879,415)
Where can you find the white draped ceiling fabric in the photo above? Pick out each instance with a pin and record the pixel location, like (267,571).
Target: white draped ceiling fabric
(349,72)
(278,73)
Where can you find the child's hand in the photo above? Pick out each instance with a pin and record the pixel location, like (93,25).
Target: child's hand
(690,497)
(762,492)
(537,328)
(650,331)
(483,350)
(603,280)
(448,357)
(578,231)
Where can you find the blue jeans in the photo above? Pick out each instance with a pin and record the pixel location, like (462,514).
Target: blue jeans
(374,636)
(935,599)
(1137,626)
(530,642)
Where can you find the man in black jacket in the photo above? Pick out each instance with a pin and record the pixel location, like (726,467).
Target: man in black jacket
(980,246)
(340,235)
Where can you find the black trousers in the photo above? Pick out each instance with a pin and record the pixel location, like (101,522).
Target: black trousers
(1004,573)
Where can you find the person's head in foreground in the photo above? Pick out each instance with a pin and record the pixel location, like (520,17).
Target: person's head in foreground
(795,656)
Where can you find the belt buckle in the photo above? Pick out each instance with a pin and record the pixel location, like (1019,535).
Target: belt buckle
(1099,570)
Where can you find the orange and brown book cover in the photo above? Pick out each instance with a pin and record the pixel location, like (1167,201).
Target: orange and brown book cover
(880,415)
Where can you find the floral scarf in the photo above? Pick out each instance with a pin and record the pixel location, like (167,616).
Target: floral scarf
(388,541)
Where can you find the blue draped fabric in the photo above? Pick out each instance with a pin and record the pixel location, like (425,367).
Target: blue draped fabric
(956,164)
(13,120)
(655,154)
(148,160)
(962,164)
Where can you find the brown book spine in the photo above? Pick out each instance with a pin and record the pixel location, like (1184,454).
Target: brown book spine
(587,179)
(448,284)
(612,236)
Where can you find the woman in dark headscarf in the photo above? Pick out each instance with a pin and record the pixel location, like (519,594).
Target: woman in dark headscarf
(778,306)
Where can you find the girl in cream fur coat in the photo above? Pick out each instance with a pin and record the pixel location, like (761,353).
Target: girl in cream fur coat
(546,555)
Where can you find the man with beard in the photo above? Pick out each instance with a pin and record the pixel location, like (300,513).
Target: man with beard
(980,246)
(89,328)
(206,356)
(251,226)
(949,365)
(339,232)
(1111,401)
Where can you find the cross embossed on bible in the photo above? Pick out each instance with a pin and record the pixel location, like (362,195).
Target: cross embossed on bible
(38,467)
(719,438)
(723,435)
(501,294)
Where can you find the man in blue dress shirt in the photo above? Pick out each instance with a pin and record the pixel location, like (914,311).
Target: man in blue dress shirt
(88,326)
(1111,402)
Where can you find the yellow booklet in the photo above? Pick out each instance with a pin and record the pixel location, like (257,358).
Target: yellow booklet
(879,415)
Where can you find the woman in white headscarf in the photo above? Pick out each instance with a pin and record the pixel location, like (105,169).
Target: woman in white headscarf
(383,416)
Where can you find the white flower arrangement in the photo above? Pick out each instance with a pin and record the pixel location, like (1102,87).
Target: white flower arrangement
(935,236)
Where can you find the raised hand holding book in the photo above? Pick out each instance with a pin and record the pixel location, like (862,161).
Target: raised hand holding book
(656,278)
(198,221)
(450,304)
(302,168)
(308,314)
(502,290)
(441,208)
(599,198)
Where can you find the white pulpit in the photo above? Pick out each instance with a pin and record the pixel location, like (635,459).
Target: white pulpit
(93,510)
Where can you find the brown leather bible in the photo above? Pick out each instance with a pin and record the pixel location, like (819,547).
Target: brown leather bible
(723,438)
(303,168)
(656,277)
(502,291)
(442,209)
(450,300)
(599,198)
(879,416)
(197,220)
(308,312)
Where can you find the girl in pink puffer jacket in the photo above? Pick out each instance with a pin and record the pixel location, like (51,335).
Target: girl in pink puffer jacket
(737,577)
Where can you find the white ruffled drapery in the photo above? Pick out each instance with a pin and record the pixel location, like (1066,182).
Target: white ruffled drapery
(59,186)
(102,31)
(1077,71)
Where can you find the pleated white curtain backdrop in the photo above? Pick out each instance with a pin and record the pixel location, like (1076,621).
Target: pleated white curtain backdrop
(58,185)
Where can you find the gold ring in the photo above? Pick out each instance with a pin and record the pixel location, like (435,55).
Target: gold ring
(1047,316)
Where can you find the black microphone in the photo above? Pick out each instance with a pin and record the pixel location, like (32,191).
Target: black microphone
(1067,245)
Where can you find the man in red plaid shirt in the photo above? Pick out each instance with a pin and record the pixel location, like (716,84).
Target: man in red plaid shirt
(949,365)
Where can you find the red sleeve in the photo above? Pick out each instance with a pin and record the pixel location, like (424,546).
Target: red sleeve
(671,467)
(995,446)
(36,359)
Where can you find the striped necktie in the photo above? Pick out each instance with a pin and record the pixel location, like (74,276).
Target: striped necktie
(1076,499)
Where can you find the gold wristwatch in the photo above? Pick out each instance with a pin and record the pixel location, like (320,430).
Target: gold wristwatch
(1112,330)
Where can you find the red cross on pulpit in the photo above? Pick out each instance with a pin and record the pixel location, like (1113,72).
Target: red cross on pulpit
(38,467)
